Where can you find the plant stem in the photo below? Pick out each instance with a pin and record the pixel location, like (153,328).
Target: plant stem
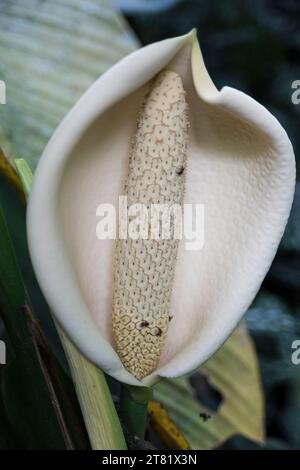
(98,410)
(133,408)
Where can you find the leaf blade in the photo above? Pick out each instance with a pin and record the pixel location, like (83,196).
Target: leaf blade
(233,371)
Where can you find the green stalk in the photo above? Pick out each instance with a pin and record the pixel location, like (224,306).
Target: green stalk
(133,408)
(25,174)
(99,413)
(98,410)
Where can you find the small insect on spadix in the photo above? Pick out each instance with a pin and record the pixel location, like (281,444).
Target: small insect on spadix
(144,269)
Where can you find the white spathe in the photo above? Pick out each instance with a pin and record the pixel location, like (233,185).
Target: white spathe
(240,166)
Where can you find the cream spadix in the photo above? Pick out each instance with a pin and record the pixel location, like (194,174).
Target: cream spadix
(240,166)
(144,268)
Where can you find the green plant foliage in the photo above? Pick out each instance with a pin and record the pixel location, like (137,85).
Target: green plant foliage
(31,383)
(51,52)
(233,372)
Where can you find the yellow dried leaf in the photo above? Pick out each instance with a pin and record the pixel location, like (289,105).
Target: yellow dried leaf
(165,428)
(10,174)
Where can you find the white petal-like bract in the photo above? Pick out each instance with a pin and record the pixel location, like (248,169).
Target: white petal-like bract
(240,166)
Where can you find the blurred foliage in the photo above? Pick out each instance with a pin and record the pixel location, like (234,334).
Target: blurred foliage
(142,6)
(50,54)
(37,403)
(222,399)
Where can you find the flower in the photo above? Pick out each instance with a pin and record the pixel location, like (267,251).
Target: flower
(240,166)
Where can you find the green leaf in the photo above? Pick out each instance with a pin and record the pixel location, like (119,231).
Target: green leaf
(233,372)
(24,174)
(51,52)
(25,394)
(25,340)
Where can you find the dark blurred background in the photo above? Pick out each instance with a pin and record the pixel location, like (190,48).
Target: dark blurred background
(255,47)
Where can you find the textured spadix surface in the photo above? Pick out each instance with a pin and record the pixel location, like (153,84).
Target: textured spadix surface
(240,166)
(144,268)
